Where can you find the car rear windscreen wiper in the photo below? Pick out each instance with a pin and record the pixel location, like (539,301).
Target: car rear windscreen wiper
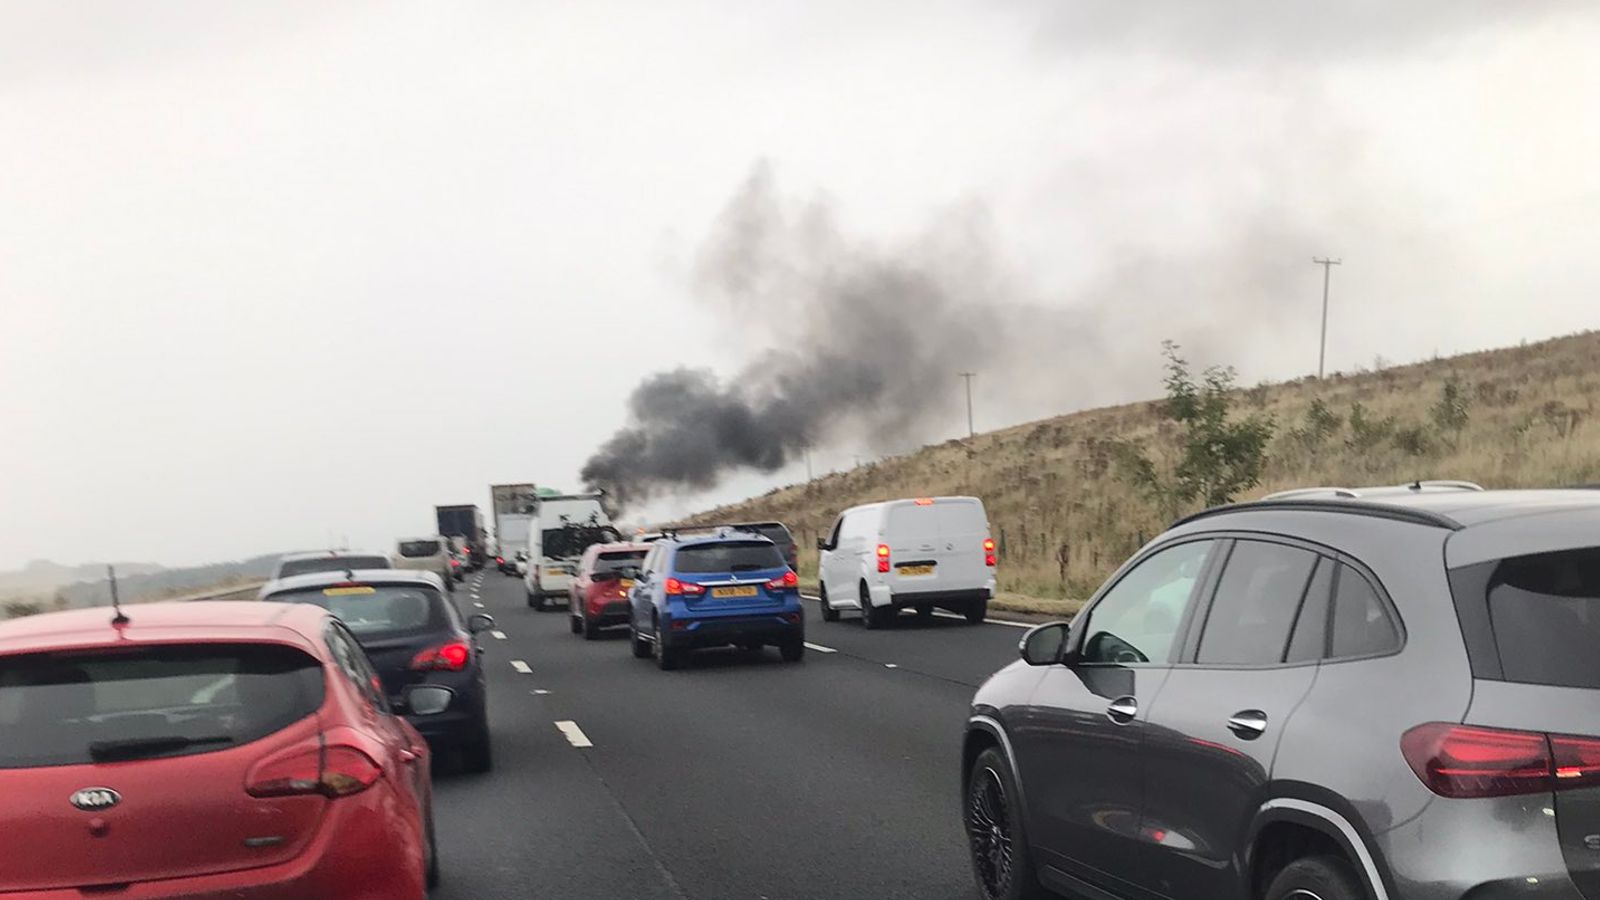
(137,748)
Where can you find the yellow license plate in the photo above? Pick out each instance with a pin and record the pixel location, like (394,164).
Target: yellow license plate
(741,591)
(627,583)
(555,571)
(347,591)
(914,570)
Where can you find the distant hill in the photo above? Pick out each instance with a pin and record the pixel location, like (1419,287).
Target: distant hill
(41,576)
(1065,518)
(46,585)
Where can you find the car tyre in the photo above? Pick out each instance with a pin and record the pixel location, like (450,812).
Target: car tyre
(871,616)
(431,873)
(996,843)
(478,756)
(829,614)
(667,658)
(1326,877)
(792,650)
(591,631)
(533,601)
(641,647)
(977,611)
(577,625)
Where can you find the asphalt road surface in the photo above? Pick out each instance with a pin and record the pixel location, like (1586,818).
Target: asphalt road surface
(740,776)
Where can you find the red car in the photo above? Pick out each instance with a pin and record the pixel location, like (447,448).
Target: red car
(223,749)
(599,591)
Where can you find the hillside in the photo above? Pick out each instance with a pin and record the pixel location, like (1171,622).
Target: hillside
(145,583)
(1064,516)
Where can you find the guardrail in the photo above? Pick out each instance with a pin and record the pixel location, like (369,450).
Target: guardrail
(231,592)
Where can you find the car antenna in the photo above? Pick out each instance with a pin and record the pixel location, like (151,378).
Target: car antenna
(121,618)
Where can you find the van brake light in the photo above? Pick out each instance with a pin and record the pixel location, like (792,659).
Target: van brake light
(883,557)
(988,552)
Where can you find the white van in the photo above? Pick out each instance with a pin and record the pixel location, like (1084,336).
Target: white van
(884,557)
(425,554)
(563,526)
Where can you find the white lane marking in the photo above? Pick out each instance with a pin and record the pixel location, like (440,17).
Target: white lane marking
(540,692)
(575,735)
(522,667)
(478,604)
(820,649)
(891,666)
(498,635)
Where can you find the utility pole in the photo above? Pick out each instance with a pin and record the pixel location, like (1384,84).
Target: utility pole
(971,432)
(807,451)
(1327,269)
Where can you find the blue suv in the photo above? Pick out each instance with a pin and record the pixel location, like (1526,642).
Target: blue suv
(731,588)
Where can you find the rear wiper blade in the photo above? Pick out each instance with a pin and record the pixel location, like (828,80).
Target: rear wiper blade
(135,748)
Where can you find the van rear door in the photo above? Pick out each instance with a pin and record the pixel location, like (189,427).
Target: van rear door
(936,544)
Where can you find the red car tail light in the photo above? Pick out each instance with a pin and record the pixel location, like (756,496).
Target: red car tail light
(337,770)
(1465,761)
(676,588)
(499,560)
(1577,761)
(883,557)
(788,581)
(451,657)
(455,563)
(988,551)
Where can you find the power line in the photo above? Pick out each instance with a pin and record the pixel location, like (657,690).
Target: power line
(1327,270)
(971,432)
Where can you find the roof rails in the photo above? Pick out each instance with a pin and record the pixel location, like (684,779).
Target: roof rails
(1415,487)
(1332,505)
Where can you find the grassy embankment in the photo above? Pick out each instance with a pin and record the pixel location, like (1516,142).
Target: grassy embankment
(1065,519)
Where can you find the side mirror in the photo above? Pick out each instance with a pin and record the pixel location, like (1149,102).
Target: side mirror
(822,543)
(479,622)
(1044,645)
(425,700)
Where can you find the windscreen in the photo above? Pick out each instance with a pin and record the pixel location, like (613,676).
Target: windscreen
(419,549)
(617,560)
(730,556)
(772,531)
(331,564)
(1545,613)
(569,541)
(61,709)
(378,611)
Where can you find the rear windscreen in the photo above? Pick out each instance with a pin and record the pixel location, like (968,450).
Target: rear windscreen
(731,556)
(569,541)
(618,560)
(1544,611)
(73,708)
(330,564)
(377,611)
(419,549)
(772,531)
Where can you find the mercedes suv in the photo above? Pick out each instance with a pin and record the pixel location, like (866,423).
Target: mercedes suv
(1332,695)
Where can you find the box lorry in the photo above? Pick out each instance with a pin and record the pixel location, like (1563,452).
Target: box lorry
(464,521)
(513,506)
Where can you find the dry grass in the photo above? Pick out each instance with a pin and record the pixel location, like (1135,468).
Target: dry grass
(1065,519)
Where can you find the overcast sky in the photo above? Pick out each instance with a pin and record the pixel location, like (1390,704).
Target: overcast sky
(274,272)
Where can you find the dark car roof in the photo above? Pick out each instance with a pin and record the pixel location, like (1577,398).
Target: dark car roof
(722,537)
(1456,510)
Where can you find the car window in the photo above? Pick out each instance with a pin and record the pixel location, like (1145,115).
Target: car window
(330,564)
(728,556)
(419,549)
(833,536)
(1362,624)
(1544,611)
(1255,604)
(377,611)
(617,560)
(858,524)
(1309,642)
(80,707)
(355,666)
(1138,619)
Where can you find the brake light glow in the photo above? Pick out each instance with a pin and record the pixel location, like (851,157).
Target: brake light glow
(339,770)
(883,557)
(988,552)
(451,657)
(1465,761)
(676,588)
(499,560)
(924,501)
(455,563)
(788,581)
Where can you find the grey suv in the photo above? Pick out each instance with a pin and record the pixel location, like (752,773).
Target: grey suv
(1391,697)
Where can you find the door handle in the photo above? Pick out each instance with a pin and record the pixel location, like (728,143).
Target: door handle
(1122,710)
(1248,724)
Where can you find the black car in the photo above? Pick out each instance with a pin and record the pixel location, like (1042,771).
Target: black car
(426,653)
(779,534)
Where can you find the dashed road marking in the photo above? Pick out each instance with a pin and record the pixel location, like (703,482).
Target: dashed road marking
(522,667)
(478,604)
(498,635)
(820,649)
(540,692)
(891,665)
(575,735)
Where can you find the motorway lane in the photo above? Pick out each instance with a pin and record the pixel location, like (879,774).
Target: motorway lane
(739,777)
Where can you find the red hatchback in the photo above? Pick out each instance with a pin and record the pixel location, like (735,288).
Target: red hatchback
(239,750)
(599,591)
